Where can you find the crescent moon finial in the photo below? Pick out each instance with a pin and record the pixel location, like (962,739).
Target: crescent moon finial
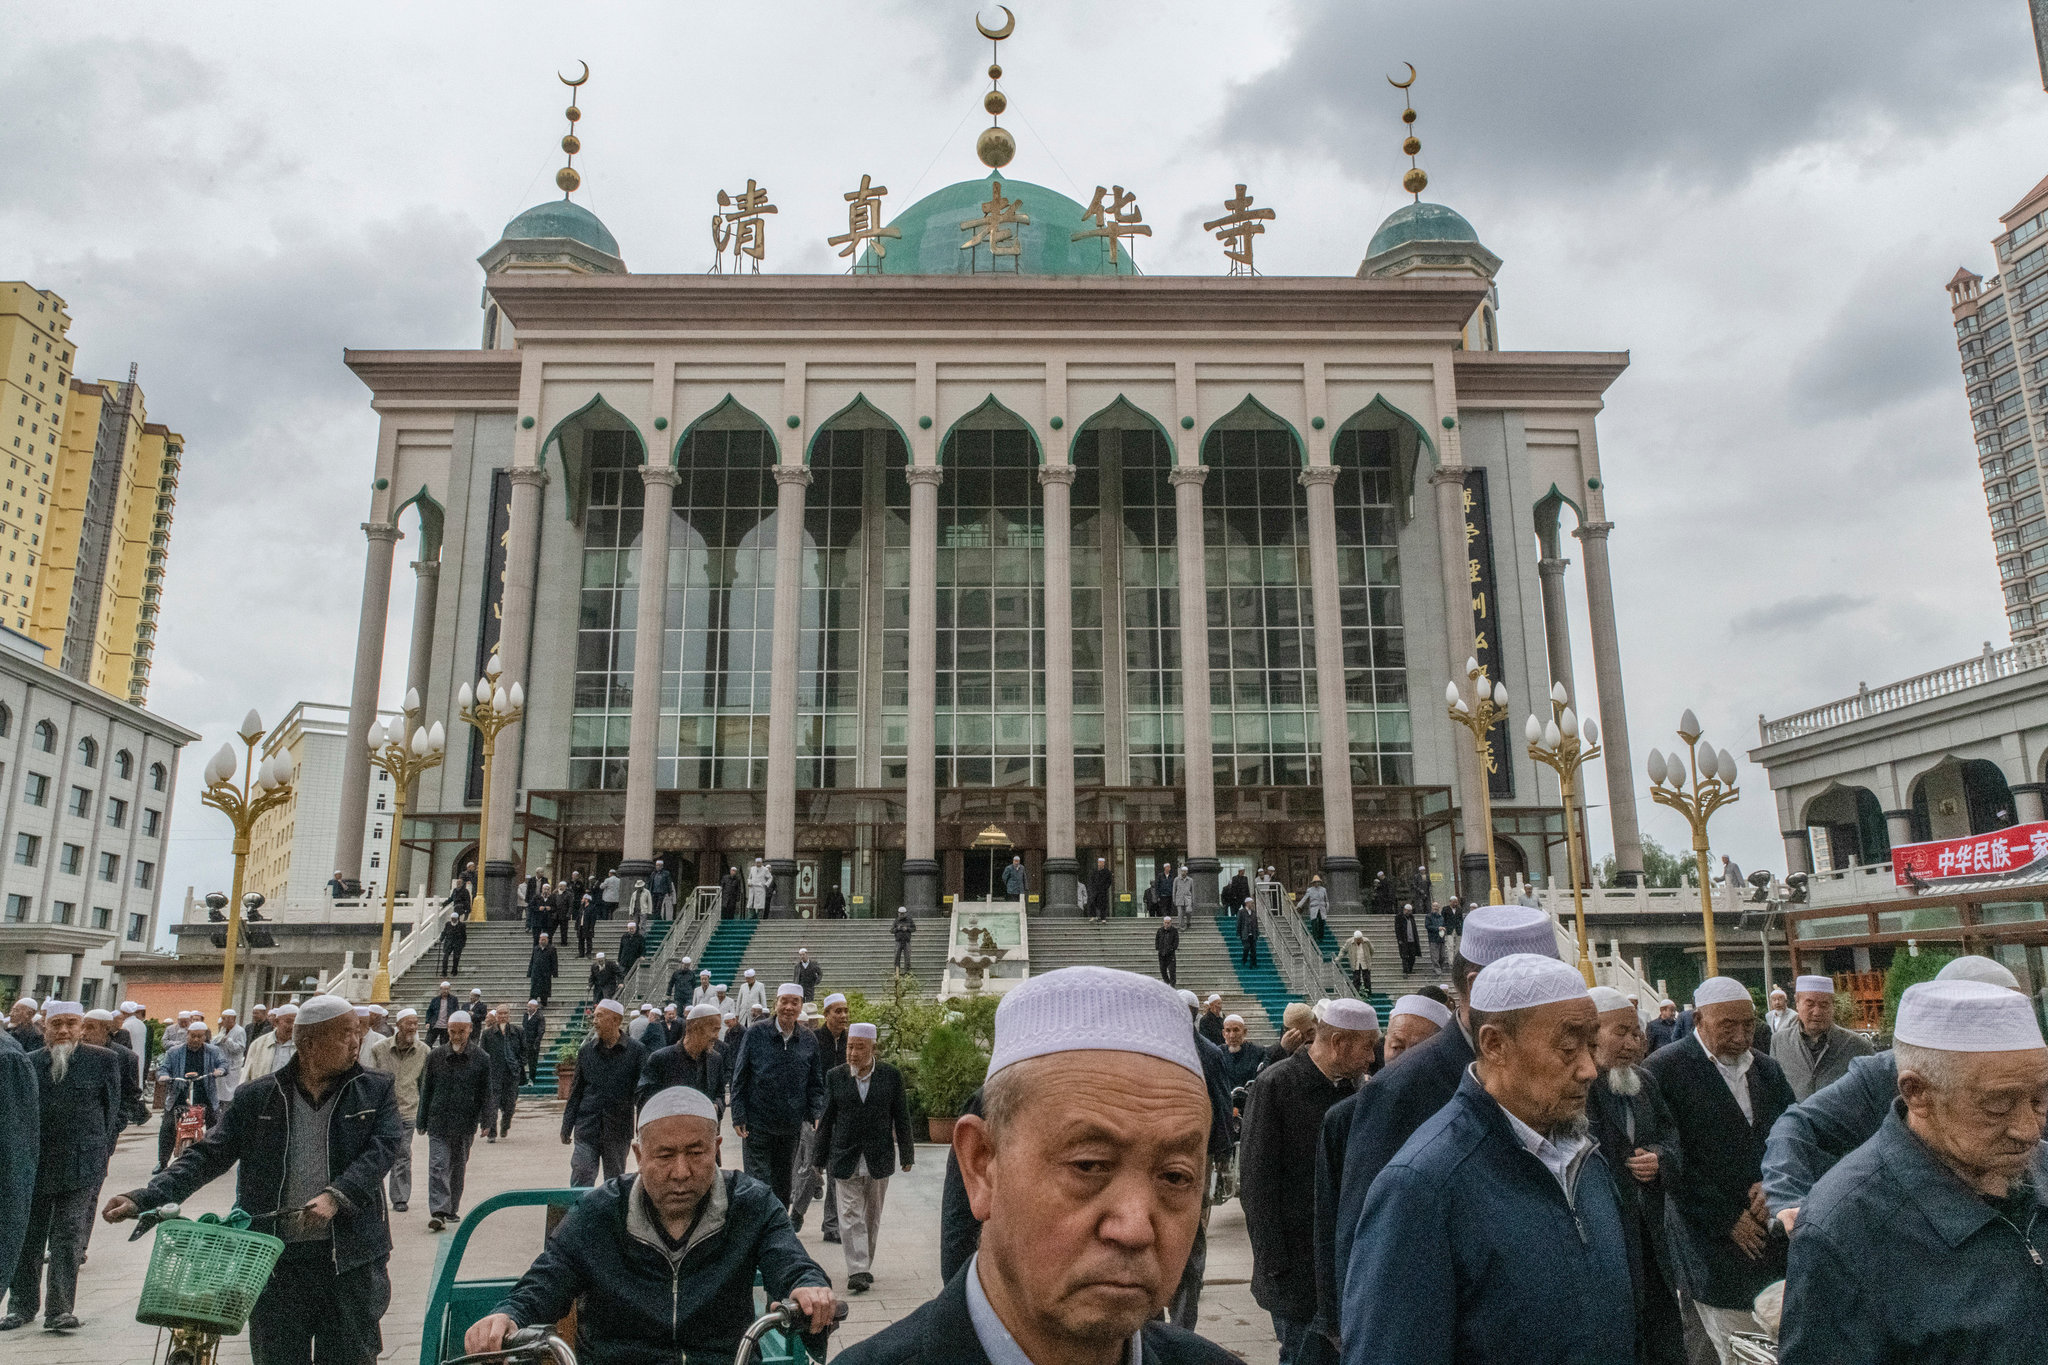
(579,80)
(1403,85)
(997,35)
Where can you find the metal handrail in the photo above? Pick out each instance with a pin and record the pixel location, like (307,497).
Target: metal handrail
(692,930)
(1301,966)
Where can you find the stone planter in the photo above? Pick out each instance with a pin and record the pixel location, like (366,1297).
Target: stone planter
(941,1129)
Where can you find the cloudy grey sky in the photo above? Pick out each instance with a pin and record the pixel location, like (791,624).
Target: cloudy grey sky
(1760,201)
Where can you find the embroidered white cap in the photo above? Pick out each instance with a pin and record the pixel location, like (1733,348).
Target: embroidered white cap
(1814,985)
(1352,1016)
(1421,1007)
(833,999)
(100,1016)
(1967,1016)
(1719,990)
(321,1008)
(407,1013)
(866,1031)
(1974,968)
(701,1012)
(1228,1018)
(789,988)
(678,1101)
(614,1006)
(459,1017)
(1525,981)
(1190,999)
(1093,1009)
(1493,932)
(1608,1000)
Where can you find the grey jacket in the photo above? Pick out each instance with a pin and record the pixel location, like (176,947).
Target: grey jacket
(1806,1072)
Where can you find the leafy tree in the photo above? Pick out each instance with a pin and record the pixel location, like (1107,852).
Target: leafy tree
(1661,868)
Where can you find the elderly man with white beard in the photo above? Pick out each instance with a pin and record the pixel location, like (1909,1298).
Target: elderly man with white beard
(1632,1124)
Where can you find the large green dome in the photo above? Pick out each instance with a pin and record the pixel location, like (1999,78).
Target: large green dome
(930,244)
(562,218)
(1421,222)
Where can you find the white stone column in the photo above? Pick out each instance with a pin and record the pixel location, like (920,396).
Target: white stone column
(650,624)
(790,482)
(1061,868)
(362,698)
(2027,804)
(920,797)
(1470,875)
(419,671)
(1621,788)
(1198,751)
(515,645)
(1798,851)
(1898,824)
(1340,827)
(1557,637)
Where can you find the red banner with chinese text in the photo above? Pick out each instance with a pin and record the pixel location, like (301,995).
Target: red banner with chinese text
(1997,854)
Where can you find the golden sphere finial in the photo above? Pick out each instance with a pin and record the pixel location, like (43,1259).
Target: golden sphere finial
(567,179)
(1408,116)
(1415,181)
(995,101)
(571,144)
(995,71)
(995,147)
(1412,146)
(572,113)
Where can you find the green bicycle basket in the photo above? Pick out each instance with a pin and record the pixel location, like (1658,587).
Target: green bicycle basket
(205,1274)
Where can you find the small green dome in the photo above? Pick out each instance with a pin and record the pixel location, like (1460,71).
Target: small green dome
(931,235)
(1421,223)
(562,218)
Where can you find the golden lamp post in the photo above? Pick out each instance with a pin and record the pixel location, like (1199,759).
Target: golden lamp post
(490,706)
(404,757)
(264,786)
(1564,744)
(1713,786)
(1489,706)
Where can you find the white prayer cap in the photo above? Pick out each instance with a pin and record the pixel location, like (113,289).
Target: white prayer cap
(530,1002)
(729,1013)
(100,1016)
(479,990)
(1719,990)
(1421,1007)
(445,985)
(408,1013)
(701,1012)
(1093,1009)
(183,1015)
(1213,998)
(1607,1000)
(705,972)
(1777,992)
(833,999)
(614,1006)
(1189,999)
(748,973)
(288,1010)
(361,1011)
(1814,985)
(1662,1003)
(1523,981)
(789,988)
(1966,1016)
(1233,1018)
(676,1102)
(62,1009)
(230,1014)
(1979,969)
(130,1007)
(600,957)
(459,1017)
(866,1031)
(321,1008)
(1353,1016)
(1493,932)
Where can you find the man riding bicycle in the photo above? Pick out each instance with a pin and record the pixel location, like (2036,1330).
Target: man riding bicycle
(660,1264)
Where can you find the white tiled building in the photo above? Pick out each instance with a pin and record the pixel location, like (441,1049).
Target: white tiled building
(291,849)
(86,784)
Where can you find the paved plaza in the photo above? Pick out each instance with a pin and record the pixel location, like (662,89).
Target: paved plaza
(906,1267)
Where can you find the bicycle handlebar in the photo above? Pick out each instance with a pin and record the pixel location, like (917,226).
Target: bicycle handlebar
(527,1343)
(780,1316)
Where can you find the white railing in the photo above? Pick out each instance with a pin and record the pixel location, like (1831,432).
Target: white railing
(1681,900)
(352,982)
(1852,885)
(361,910)
(1989,666)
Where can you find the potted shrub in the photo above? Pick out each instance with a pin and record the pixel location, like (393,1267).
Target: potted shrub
(949,1070)
(565,1067)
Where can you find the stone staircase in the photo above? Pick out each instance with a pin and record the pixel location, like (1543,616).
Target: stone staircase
(1388,982)
(1205,963)
(856,954)
(495,961)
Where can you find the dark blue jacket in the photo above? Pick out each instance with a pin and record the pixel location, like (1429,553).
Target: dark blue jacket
(777,1086)
(363,1134)
(600,1107)
(1215,1073)
(1469,1253)
(641,1303)
(174,1064)
(1388,1112)
(21,1138)
(81,1117)
(1810,1137)
(1896,1262)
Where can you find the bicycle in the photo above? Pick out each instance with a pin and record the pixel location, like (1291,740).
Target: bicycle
(538,1344)
(191,1116)
(204,1277)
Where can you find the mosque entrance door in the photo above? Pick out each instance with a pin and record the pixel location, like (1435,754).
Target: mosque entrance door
(981,873)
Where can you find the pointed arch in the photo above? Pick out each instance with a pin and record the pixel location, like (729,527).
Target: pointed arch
(433,520)
(1549,520)
(860,414)
(995,410)
(727,414)
(571,438)
(1252,415)
(1411,439)
(1120,407)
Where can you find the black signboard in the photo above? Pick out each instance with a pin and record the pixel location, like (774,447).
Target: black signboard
(1500,777)
(497,539)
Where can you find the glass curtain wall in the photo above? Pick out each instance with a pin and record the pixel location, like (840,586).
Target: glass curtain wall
(828,694)
(609,597)
(1261,636)
(1089,570)
(991,647)
(1150,675)
(1369,600)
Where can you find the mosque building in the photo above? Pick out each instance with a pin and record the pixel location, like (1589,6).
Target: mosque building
(1008,460)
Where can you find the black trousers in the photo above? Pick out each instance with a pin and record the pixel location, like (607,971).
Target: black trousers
(1408,954)
(1168,966)
(451,959)
(584,930)
(504,1099)
(771,1159)
(309,1313)
(1248,954)
(903,956)
(1361,980)
(61,1222)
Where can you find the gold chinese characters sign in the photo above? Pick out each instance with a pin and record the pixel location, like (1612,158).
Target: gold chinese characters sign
(864,223)
(740,228)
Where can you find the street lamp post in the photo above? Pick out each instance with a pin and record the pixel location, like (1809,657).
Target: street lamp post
(490,707)
(1563,744)
(404,756)
(1489,706)
(1713,786)
(263,786)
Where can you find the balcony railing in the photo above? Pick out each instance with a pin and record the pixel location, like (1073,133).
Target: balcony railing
(1989,666)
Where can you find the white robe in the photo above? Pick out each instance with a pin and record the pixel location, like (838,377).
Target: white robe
(233,1047)
(759,880)
(751,994)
